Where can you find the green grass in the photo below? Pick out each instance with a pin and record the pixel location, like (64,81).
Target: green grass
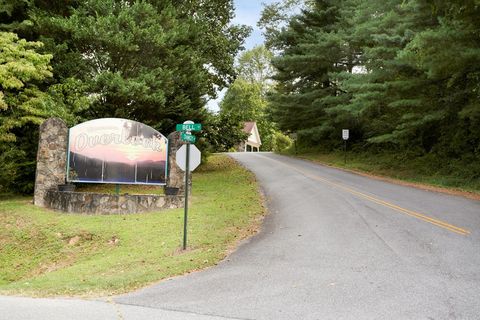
(45,253)
(425,170)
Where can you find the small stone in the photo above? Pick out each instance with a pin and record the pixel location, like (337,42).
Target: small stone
(73,241)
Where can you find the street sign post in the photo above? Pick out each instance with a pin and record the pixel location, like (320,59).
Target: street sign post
(187,158)
(345,136)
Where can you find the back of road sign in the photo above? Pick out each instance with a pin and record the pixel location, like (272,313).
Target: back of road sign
(181,157)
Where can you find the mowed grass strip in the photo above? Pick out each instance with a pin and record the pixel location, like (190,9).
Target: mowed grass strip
(424,172)
(45,253)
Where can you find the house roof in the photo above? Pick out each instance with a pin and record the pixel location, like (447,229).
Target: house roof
(251,129)
(248,126)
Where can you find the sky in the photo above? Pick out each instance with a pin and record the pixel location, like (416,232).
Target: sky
(246,12)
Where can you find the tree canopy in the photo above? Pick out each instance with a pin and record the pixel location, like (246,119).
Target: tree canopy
(401,75)
(246,100)
(148,60)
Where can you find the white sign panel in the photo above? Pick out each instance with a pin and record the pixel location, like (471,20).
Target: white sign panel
(181,157)
(345,134)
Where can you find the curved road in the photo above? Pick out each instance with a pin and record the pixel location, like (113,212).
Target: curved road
(335,246)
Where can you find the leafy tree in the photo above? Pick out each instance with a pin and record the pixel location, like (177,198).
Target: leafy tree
(244,102)
(21,101)
(244,99)
(275,17)
(23,106)
(148,60)
(254,66)
(223,132)
(152,61)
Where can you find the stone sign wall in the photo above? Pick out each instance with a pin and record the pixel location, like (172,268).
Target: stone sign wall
(51,158)
(51,172)
(176,177)
(95,203)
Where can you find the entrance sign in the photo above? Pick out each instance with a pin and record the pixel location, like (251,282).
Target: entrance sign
(345,134)
(181,157)
(119,151)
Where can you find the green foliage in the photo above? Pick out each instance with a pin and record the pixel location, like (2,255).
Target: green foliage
(24,105)
(223,132)
(401,75)
(244,102)
(246,99)
(275,16)
(281,142)
(254,67)
(21,101)
(45,253)
(152,61)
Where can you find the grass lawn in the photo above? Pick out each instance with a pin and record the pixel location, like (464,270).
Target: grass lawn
(418,172)
(46,253)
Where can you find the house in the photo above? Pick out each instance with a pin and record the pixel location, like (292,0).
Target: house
(253,142)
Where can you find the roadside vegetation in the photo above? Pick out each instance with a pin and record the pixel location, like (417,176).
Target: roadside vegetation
(400,75)
(46,253)
(421,171)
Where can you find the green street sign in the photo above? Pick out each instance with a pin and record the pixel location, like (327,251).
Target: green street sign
(188,138)
(189,127)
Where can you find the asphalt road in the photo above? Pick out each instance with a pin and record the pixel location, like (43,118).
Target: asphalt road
(335,246)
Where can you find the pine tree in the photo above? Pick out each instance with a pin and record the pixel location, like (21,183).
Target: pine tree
(305,90)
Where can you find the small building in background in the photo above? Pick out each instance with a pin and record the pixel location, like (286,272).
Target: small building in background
(253,142)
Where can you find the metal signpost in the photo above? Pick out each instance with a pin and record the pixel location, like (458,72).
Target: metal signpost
(184,161)
(345,136)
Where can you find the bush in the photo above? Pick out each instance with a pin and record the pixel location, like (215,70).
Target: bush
(281,142)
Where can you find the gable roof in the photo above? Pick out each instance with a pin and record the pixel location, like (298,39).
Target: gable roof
(248,126)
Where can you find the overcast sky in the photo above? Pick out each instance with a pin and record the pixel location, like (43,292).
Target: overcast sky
(246,12)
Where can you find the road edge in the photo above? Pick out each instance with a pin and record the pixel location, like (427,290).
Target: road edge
(422,186)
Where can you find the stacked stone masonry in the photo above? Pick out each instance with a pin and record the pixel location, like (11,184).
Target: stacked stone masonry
(51,158)
(95,203)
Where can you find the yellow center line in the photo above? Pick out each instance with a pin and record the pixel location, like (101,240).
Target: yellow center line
(420,216)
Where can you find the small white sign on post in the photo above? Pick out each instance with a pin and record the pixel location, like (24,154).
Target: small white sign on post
(345,134)
(181,157)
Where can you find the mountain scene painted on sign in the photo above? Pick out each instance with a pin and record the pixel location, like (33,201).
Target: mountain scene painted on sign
(117,151)
(85,169)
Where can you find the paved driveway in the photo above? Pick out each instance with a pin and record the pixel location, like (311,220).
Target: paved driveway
(334,246)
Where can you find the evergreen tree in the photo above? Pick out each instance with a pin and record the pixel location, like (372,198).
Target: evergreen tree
(149,60)
(401,74)
(152,61)
(304,88)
